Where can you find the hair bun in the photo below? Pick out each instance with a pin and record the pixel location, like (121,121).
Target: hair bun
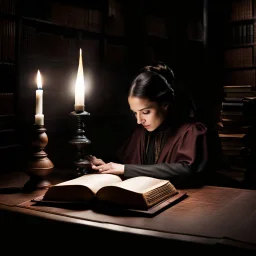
(162,69)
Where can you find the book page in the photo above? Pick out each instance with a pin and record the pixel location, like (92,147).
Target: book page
(93,181)
(141,184)
(137,193)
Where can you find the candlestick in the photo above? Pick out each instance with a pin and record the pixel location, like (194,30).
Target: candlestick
(39,117)
(39,165)
(79,88)
(80,141)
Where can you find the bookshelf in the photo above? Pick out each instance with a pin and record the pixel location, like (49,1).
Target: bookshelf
(237,132)
(9,142)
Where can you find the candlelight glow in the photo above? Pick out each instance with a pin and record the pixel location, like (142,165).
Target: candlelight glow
(79,88)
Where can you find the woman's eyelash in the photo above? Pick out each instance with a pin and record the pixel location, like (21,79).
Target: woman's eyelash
(144,113)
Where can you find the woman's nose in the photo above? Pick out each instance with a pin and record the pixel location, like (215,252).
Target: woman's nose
(139,119)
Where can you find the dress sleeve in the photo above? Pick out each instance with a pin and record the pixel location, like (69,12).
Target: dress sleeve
(189,158)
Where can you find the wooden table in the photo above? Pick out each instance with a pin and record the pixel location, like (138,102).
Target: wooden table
(211,219)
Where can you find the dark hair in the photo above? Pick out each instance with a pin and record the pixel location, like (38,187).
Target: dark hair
(154,83)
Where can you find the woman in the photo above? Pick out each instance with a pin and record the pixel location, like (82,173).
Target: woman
(167,143)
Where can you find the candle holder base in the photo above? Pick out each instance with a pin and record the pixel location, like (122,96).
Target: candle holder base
(82,167)
(80,141)
(35,183)
(39,165)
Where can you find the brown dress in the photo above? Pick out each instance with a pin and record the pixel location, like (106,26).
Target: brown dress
(178,154)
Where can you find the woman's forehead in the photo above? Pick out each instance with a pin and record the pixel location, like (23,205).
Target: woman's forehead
(137,103)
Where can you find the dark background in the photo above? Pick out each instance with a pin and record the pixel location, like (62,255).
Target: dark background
(117,39)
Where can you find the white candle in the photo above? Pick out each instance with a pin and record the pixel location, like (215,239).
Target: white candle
(39,117)
(79,89)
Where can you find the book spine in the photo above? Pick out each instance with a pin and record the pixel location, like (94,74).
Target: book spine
(233,100)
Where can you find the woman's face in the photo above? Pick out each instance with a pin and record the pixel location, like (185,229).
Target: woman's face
(148,113)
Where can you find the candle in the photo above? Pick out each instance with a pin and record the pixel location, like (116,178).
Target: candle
(39,117)
(79,89)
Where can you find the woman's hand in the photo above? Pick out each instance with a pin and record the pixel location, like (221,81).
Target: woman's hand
(111,168)
(94,161)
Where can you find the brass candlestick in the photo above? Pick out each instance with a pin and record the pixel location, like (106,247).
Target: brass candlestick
(39,166)
(80,141)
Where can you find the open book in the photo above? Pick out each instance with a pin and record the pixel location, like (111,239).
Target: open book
(138,193)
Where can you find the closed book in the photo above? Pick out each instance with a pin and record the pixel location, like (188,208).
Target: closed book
(232,106)
(238,88)
(244,94)
(246,106)
(232,137)
(231,123)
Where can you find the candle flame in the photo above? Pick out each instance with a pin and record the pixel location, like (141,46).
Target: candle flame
(79,90)
(39,80)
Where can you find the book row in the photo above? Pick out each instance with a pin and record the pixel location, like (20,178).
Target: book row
(245,105)
(240,77)
(8,6)
(242,9)
(93,20)
(240,34)
(58,46)
(239,57)
(81,16)
(69,15)
(7,40)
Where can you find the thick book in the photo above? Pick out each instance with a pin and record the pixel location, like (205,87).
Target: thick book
(242,99)
(233,137)
(245,94)
(238,88)
(233,125)
(236,116)
(246,105)
(145,194)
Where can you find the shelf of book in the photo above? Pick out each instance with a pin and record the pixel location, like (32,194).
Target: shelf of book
(238,127)
(238,106)
(59,28)
(8,73)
